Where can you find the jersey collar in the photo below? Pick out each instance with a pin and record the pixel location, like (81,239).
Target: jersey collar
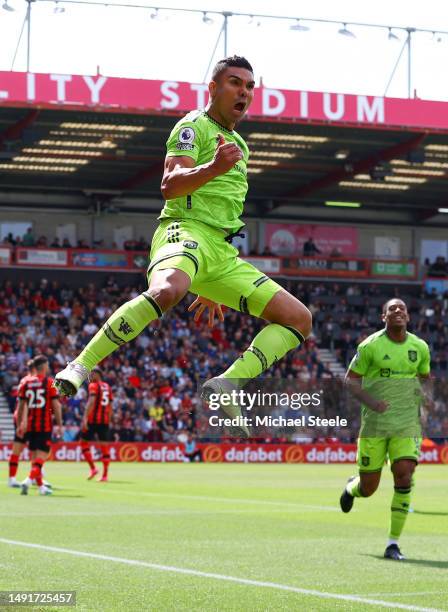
(394,341)
(217,123)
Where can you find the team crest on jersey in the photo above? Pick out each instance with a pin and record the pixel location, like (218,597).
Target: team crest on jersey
(125,327)
(412,356)
(365,461)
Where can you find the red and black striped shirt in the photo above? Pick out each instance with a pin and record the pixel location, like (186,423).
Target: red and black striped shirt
(22,381)
(38,392)
(101,411)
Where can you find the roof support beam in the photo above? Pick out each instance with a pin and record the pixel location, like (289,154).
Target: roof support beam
(141,176)
(358,167)
(13,132)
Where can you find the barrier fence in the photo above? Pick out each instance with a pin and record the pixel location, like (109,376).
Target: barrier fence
(136,261)
(157,452)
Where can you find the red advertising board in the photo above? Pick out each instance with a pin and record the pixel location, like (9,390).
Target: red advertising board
(136,261)
(226,453)
(134,95)
(288,239)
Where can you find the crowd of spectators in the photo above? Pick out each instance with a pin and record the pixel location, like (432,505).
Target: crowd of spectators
(30,240)
(437,268)
(42,242)
(155,378)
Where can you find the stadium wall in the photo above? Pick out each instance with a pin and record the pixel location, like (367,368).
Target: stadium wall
(158,452)
(91,227)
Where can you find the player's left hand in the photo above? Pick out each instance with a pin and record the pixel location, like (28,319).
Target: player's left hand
(202,304)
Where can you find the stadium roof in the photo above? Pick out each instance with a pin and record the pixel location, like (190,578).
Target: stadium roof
(68,158)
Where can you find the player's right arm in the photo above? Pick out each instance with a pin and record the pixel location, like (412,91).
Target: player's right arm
(358,368)
(22,417)
(90,405)
(182,176)
(353,382)
(57,411)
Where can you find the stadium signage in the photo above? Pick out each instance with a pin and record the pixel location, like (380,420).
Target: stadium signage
(328,267)
(131,95)
(134,261)
(224,452)
(397,269)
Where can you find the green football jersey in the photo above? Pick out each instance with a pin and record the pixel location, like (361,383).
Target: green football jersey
(390,372)
(220,201)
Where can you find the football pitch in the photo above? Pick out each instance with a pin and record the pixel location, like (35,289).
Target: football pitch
(212,537)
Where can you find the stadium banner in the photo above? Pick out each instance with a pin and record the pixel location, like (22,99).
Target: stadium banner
(176,97)
(289,239)
(5,256)
(41,257)
(394,269)
(437,285)
(328,267)
(267,265)
(75,259)
(99,259)
(223,452)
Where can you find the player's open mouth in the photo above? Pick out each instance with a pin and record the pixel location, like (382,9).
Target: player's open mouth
(239,106)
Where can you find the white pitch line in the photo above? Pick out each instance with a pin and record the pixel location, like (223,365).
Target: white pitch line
(236,580)
(230,500)
(409,594)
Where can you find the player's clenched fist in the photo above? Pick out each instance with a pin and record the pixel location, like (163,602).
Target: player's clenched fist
(226,155)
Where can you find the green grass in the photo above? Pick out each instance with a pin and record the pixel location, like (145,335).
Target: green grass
(277,524)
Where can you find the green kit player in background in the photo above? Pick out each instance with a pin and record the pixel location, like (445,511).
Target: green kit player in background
(387,375)
(204,186)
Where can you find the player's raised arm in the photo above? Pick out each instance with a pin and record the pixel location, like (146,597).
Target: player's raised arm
(353,381)
(182,177)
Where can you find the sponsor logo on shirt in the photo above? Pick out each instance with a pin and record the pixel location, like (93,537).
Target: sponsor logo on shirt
(385,372)
(184,146)
(190,244)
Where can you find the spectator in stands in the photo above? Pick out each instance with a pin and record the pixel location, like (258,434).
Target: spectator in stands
(10,239)
(66,244)
(439,267)
(192,452)
(42,242)
(55,244)
(28,239)
(267,252)
(310,248)
(335,252)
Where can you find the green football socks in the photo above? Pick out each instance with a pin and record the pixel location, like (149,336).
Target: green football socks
(125,324)
(401,501)
(269,345)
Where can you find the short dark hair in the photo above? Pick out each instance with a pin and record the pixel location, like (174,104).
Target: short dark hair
(97,370)
(234,60)
(386,304)
(30,364)
(40,360)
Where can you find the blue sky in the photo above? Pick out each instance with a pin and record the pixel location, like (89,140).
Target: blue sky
(176,46)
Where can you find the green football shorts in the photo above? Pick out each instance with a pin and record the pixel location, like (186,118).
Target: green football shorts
(373,452)
(213,265)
